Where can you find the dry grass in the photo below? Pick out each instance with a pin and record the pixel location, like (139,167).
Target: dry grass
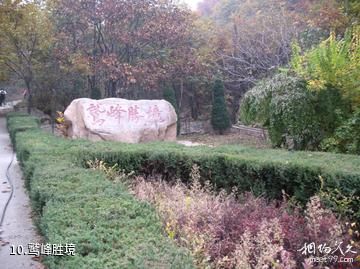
(226,139)
(225,231)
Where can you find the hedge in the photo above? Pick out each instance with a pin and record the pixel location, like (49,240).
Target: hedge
(17,121)
(110,228)
(263,171)
(267,170)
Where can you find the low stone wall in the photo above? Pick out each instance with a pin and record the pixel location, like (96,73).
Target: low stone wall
(195,127)
(243,130)
(204,126)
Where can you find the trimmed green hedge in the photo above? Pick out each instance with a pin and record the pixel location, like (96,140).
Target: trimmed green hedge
(267,171)
(17,122)
(260,170)
(263,171)
(111,229)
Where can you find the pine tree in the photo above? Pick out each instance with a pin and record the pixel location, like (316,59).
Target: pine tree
(95,93)
(169,95)
(220,119)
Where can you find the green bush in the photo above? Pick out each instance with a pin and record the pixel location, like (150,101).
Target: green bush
(285,107)
(292,113)
(334,62)
(346,137)
(111,229)
(17,122)
(255,106)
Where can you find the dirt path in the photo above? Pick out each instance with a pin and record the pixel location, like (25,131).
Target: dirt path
(17,228)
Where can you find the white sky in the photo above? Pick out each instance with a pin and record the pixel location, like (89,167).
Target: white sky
(191,3)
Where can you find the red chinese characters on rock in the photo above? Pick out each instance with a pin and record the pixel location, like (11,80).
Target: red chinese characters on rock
(96,113)
(133,113)
(118,119)
(154,114)
(116,112)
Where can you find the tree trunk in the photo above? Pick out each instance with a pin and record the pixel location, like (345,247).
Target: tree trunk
(346,4)
(91,83)
(53,108)
(107,89)
(29,96)
(181,92)
(113,88)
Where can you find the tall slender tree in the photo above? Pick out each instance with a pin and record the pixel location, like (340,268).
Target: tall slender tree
(220,119)
(169,95)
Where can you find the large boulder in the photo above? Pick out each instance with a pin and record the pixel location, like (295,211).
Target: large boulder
(116,119)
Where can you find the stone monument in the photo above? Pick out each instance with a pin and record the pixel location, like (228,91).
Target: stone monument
(116,119)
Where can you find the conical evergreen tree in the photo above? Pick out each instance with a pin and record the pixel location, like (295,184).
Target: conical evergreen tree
(220,119)
(95,93)
(169,95)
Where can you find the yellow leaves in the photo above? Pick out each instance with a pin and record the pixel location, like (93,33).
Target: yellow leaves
(333,62)
(351,230)
(60,119)
(80,64)
(316,84)
(61,123)
(297,61)
(170,229)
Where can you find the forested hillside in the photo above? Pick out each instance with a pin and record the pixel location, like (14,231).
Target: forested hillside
(61,49)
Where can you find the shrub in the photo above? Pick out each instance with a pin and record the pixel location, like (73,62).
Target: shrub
(332,71)
(285,106)
(292,114)
(296,117)
(347,136)
(109,227)
(255,106)
(220,119)
(18,122)
(222,232)
(331,110)
(333,62)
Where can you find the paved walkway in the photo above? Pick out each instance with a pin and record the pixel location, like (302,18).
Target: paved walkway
(8,107)
(17,229)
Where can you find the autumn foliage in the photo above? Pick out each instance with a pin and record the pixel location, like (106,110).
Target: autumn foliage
(126,45)
(224,232)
